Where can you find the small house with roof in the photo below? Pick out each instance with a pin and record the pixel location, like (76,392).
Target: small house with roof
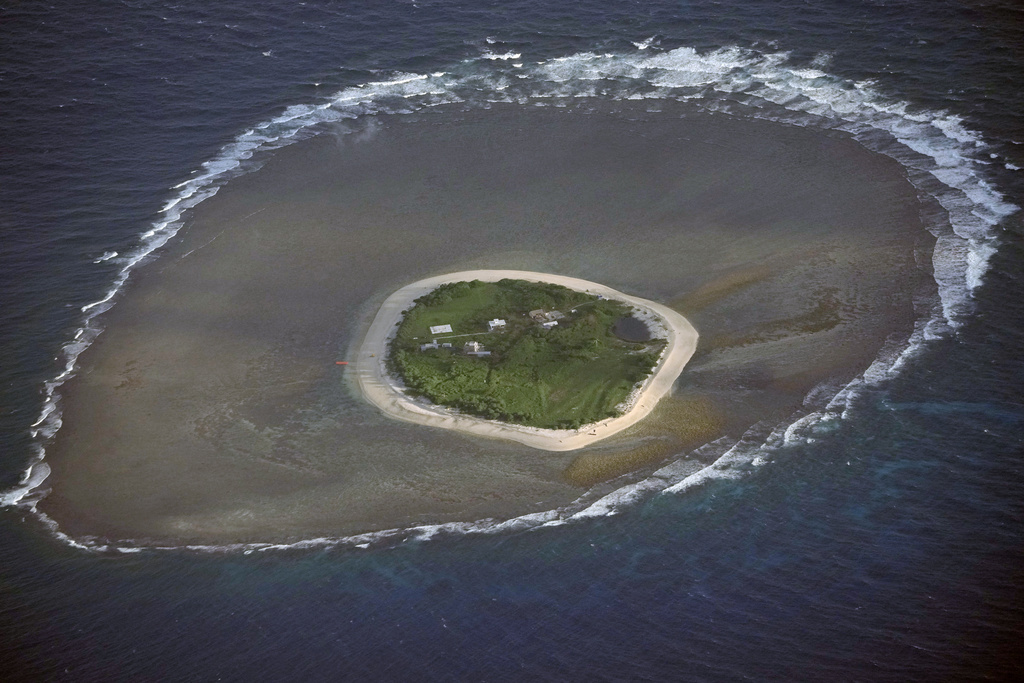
(495,324)
(542,316)
(474,348)
(434,345)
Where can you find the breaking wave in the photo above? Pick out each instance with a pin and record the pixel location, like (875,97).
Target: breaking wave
(943,158)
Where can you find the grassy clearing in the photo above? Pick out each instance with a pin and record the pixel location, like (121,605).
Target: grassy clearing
(571,375)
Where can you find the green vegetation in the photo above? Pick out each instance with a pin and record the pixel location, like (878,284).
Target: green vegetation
(569,375)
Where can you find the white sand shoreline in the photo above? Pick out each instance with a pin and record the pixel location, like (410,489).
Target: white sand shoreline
(384,392)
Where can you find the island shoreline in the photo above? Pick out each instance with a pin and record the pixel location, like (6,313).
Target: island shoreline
(385,392)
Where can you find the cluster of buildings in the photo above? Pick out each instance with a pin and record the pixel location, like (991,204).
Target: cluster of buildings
(472,348)
(434,345)
(547,320)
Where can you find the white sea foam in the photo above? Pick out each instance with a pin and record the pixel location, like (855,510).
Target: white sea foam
(644,44)
(942,157)
(504,56)
(31,480)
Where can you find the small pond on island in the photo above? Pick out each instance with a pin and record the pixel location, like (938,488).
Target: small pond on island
(631,329)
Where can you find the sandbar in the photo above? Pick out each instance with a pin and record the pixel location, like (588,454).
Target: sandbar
(387,394)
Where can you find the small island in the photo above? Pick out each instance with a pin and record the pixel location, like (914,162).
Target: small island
(531,353)
(553,362)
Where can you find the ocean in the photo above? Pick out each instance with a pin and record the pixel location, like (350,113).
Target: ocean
(830,192)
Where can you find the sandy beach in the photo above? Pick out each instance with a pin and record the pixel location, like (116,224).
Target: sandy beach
(382,391)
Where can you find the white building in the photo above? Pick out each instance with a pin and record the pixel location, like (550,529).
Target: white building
(548,325)
(475,349)
(440,329)
(495,324)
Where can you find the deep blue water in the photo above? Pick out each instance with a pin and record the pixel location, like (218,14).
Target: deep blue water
(887,547)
